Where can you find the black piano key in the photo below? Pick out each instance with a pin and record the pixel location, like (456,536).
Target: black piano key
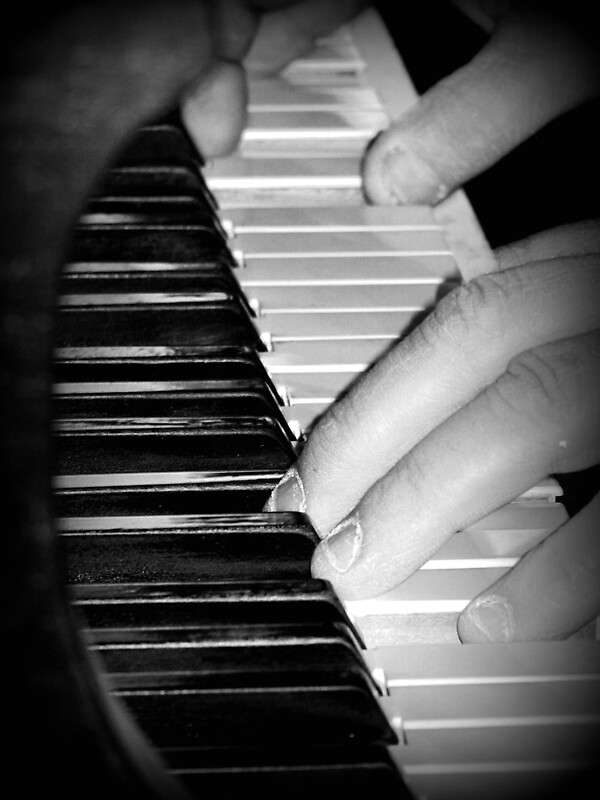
(189,363)
(216,689)
(214,494)
(160,388)
(195,244)
(159,160)
(142,209)
(232,635)
(206,322)
(245,400)
(123,280)
(213,603)
(288,771)
(228,547)
(162,142)
(332,702)
(151,181)
(169,445)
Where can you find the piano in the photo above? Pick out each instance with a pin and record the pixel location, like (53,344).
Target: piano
(207,314)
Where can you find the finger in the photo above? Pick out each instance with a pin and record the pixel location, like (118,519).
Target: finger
(287,33)
(534,68)
(578,238)
(234,24)
(552,592)
(459,349)
(214,111)
(540,416)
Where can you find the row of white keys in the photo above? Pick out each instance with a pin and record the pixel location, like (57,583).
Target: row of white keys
(335,287)
(491,721)
(425,608)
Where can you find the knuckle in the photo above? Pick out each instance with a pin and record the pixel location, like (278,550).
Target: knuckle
(481,304)
(533,385)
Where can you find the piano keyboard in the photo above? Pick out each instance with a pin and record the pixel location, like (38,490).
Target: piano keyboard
(208,315)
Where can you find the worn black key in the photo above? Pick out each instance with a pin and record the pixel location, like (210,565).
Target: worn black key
(128,280)
(160,388)
(202,493)
(162,364)
(281,770)
(199,548)
(214,319)
(168,399)
(236,695)
(169,445)
(212,603)
(214,690)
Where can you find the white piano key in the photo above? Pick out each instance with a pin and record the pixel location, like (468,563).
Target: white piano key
(325,351)
(324,63)
(495,781)
(237,181)
(500,538)
(520,662)
(295,323)
(323,295)
(303,413)
(436,707)
(333,219)
(409,268)
(311,380)
(236,172)
(276,94)
(359,244)
(488,746)
(315,123)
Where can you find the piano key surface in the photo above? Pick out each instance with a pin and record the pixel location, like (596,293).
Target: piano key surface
(187,618)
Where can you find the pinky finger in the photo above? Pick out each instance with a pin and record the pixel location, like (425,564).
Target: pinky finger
(551,593)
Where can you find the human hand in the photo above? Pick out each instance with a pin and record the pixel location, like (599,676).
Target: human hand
(259,37)
(496,389)
(499,387)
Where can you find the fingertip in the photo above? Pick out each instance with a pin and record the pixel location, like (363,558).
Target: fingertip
(289,494)
(214,112)
(394,173)
(487,618)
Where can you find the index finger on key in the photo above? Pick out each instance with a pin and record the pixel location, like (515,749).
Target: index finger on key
(536,66)
(463,346)
(540,416)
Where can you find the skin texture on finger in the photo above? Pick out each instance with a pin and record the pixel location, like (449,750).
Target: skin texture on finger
(214,111)
(577,238)
(535,67)
(288,33)
(459,350)
(551,593)
(541,415)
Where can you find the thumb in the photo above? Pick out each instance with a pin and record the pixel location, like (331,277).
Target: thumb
(536,66)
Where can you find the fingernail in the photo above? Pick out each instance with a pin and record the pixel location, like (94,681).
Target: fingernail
(342,546)
(492,616)
(409,179)
(288,495)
